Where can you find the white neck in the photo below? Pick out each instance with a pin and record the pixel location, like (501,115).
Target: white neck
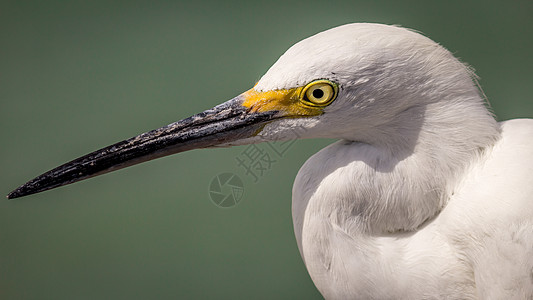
(367,191)
(390,190)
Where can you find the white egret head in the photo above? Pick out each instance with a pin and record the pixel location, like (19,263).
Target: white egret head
(387,76)
(368,83)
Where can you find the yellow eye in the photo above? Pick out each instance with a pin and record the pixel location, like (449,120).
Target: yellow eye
(319,93)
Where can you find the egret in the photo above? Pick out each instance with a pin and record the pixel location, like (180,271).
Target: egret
(424,195)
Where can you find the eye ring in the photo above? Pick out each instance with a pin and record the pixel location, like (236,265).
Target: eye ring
(319,93)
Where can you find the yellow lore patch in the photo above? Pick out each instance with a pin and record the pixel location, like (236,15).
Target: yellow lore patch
(291,102)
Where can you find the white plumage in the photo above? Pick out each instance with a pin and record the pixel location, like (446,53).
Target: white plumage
(426,196)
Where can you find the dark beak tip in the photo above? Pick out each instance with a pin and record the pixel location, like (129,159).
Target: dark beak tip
(17,193)
(22,191)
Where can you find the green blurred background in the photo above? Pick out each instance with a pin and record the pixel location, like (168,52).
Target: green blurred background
(79,75)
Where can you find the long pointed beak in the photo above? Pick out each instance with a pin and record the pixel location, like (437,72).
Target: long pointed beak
(223,124)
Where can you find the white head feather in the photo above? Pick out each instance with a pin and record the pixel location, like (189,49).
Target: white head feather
(389,78)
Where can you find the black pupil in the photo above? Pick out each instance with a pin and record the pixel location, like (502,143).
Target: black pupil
(318,93)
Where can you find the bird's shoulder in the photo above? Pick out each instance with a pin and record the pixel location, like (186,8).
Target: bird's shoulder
(500,184)
(519,132)
(511,160)
(489,218)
